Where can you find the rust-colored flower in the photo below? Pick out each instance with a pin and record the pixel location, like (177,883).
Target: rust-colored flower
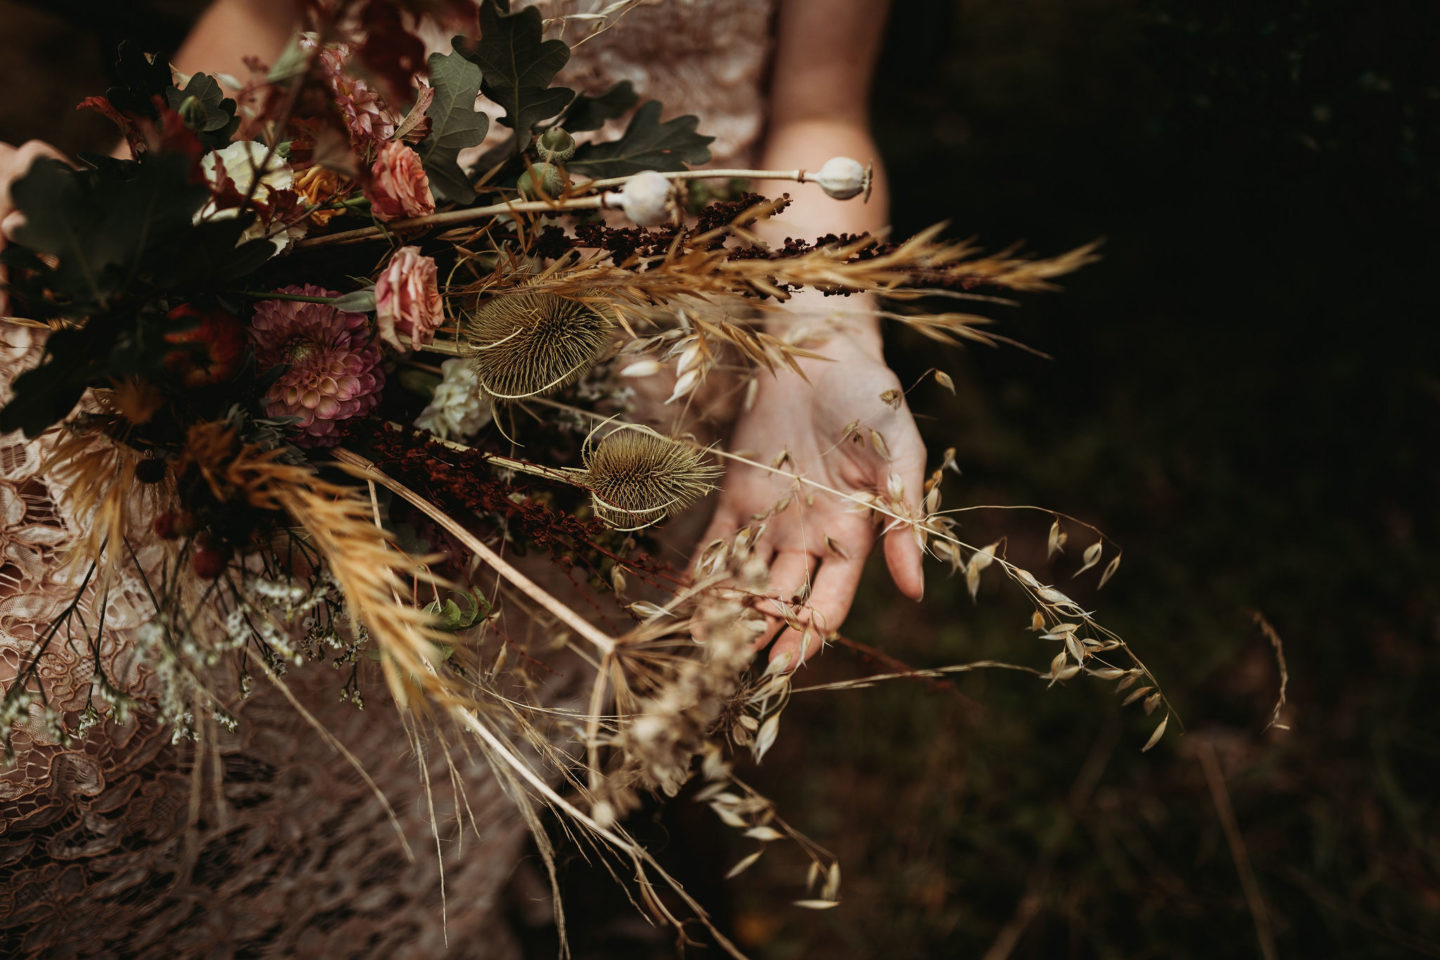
(319,185)
(398,186)
(408,308)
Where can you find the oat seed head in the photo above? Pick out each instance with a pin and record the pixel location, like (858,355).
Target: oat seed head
(533,343)
(638,477)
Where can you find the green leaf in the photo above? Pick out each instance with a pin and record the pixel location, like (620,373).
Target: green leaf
(139,79)
(647,144)
(591,113)
(518,67)
(100,223)
(356,301)
(205,109)
(455,125)
(44,395)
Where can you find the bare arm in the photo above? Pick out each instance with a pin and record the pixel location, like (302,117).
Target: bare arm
(824,63)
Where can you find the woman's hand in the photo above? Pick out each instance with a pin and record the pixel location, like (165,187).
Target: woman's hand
(818,543)
(14,164)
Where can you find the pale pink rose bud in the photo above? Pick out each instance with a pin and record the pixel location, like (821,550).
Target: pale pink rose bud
(647,198)
(408,309)
(843,178)
(398,185)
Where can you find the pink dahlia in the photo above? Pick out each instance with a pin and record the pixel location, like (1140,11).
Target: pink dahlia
(332,363)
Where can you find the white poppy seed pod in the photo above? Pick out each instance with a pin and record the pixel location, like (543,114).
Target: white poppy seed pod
(843,178)
(648,198)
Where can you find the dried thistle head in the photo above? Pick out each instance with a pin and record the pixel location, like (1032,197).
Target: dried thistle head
(638,477)
(531,344)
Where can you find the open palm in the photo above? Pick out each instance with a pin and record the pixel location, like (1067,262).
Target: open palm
(817,544)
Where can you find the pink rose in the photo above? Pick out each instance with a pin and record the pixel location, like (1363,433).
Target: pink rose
(407,300)
(398,185)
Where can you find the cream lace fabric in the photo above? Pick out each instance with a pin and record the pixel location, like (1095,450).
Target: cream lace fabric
(121,844)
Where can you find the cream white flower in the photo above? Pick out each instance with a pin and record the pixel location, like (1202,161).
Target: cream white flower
(241,161)
(459,409)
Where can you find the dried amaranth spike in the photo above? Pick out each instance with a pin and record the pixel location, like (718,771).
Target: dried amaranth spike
(638,477)
(531,344)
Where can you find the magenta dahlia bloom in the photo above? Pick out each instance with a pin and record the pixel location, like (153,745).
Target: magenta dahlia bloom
(332,363)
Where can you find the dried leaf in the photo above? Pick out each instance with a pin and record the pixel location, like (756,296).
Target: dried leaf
(832,882)
(817,904)
(1057,540)
(1129,680)
(1152,702)
(1135,696)
(684,385)
(744,864)
(892,398)
(838,550)
(648,610)
(1091,556)
(727,816)
(1110,569)
(765,834)
(641,368)
(1155,737)
(878,442)
(943,378)
(1108,673)
(765,739)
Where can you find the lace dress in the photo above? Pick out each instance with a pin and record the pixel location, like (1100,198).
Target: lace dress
(119,843)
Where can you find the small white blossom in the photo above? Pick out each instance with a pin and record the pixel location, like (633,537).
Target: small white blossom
(647,198)
(842,178)
(458,410)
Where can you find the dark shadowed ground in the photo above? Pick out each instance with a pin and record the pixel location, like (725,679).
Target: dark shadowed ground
(1243,393)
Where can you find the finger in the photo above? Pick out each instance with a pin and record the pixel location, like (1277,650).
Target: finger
(905,561)
(903,554)
(788,575)
(833,593)
(830,601)
(14,165)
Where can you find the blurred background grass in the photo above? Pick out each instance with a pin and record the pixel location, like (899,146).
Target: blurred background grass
(1243,394)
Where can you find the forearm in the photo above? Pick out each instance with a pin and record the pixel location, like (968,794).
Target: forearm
(808,144)
(825,57)
(231,30)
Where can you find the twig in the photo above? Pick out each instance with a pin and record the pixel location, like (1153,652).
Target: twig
(1274,637)
(1254,899)
(366,470)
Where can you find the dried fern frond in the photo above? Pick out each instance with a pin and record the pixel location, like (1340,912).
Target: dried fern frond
(638,477)
(530,344)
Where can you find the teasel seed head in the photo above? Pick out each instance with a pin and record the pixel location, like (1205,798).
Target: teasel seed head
(532,344)
(638,477)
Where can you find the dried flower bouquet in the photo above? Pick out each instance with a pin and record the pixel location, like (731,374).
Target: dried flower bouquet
(319,385)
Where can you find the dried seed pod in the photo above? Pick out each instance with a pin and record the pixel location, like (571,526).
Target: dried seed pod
(531,344)
(638,477)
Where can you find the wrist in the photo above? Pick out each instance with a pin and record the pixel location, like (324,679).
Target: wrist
(812,319)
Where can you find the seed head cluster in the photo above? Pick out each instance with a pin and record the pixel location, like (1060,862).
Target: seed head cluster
(638,477)
(532,344)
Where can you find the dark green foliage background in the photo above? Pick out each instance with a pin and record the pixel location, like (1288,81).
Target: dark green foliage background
(1244,393)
